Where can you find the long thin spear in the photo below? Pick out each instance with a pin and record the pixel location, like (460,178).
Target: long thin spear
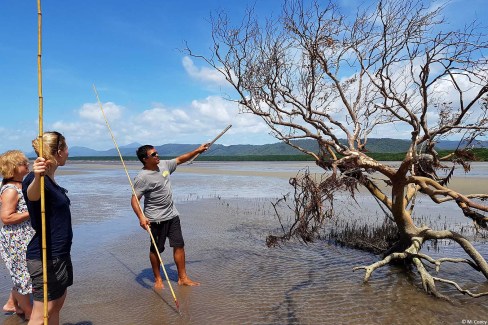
(41,152)
(212,142)
(134,193)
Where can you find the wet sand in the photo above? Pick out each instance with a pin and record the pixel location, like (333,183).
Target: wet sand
(243,281)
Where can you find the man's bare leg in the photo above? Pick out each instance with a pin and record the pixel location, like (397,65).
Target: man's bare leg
(179,256)
(155,264)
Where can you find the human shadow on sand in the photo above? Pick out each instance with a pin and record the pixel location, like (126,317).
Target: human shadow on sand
(13,319)
(16,320)
(146,277)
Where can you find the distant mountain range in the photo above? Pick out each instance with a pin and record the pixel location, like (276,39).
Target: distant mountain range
(379,145)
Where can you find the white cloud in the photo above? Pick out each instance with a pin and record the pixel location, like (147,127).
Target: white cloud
(155,116)
(90,129)
(92,112)
(198,122)
(214,108)
(203,74)
(201,121)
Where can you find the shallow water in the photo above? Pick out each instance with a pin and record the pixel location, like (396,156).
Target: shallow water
(226,214)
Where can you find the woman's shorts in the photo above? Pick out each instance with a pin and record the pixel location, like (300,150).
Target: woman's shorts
(59,277)
(169,228)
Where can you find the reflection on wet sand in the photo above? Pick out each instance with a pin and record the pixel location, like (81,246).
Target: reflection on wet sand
(225,223)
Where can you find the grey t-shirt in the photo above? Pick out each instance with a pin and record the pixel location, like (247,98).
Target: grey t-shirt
(155,186)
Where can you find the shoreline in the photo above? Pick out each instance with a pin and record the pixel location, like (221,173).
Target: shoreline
(465,183)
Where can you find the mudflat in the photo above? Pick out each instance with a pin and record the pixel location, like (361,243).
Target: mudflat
(243,281)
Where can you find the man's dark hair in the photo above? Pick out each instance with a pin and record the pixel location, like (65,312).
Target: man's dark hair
(142,152)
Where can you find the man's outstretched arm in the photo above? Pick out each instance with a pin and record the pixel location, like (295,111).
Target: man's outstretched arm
(189,155)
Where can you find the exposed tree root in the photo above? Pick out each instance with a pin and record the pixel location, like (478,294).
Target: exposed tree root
(312,204)
(465,291)
(411,254)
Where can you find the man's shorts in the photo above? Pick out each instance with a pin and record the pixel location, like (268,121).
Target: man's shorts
(170,229)
(59,277)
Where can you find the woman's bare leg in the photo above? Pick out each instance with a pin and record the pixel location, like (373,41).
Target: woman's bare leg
(24,303)
(12,306)
(53,306)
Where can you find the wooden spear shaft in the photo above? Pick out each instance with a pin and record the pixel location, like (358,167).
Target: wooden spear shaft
(134,193)
(212,142)
(41,153)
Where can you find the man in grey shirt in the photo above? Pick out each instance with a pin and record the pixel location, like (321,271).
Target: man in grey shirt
(160,214)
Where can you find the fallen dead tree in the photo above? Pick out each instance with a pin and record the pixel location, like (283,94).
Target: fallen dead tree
(396,68)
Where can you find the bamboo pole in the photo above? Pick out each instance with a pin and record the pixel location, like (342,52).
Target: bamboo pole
(41,153)
(134,193)
(212,142)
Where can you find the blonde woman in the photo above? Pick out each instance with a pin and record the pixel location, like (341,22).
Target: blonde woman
(59,233)
(17,231)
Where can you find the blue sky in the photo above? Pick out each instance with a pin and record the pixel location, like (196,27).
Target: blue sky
(131,51)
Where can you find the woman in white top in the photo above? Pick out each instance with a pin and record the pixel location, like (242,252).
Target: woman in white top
(17,231)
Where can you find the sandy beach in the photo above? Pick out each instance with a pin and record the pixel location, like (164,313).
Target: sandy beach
(243,281)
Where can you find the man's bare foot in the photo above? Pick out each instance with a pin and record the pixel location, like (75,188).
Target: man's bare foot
(158,284)
(188,282)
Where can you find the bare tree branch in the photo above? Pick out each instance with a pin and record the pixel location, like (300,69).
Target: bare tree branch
(315,73)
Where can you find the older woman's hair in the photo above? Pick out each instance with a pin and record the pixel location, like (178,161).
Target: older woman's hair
(52,142)
(10,161)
